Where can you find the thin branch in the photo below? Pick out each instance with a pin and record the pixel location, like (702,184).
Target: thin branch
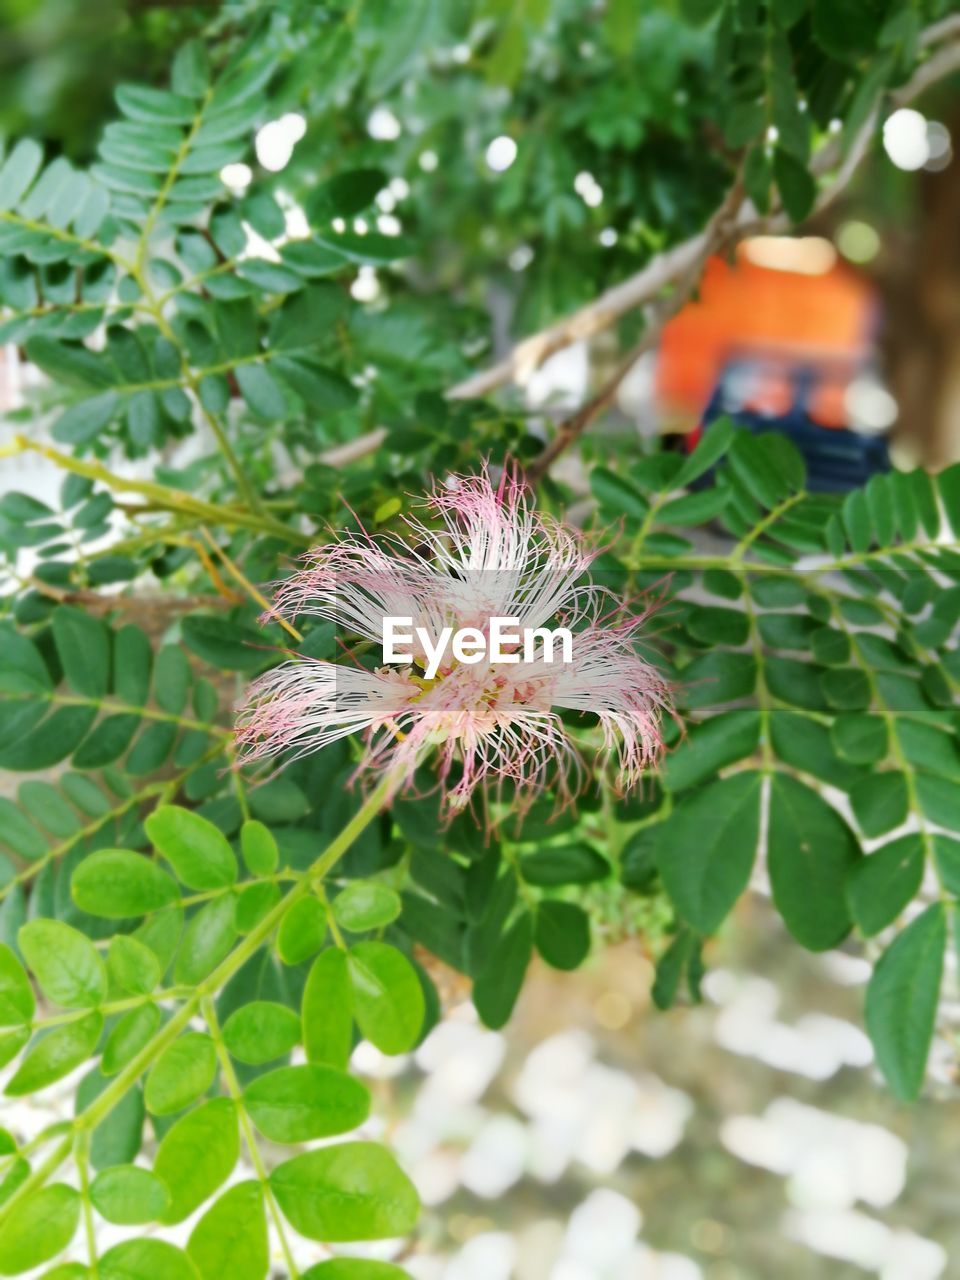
(163,497)
(945,29)
(941,63)
(722,229)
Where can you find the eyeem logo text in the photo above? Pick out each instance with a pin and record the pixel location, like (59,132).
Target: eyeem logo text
(503,642)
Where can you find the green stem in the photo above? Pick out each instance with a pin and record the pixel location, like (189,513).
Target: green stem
(82,1157)
(122,708)
(764,698)
(166,499)
(112,1006)
(209,1012)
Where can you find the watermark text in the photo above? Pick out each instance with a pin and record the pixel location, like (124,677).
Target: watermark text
(503,641)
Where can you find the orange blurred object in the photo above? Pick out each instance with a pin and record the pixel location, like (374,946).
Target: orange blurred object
(810,308)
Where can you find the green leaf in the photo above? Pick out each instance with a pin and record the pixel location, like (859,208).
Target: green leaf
(682,956)
(16,994)
(719,677)
(261,1031)
(154,106)
(706,849)
(638,864)
(617,495)
(55,1054)
(322,389)
(327,1010)
(190,74)
(83,646)
(711,447)
(132,966)
(223,644)
(719,741)
(694,508)
(11,1042)
(145,1260)
(860,738)
(254,901)
(259,848)
(562,934)
(496,987)
(880,802)
(198,851)
(715,625)
(230,1240)
(69,363)
(805,744)
(846,688)
(345,194)
(183,1072)
(797,188)
(207,940)
(928,748)
(260,390)
(132,1032)
(365,904)
(349,1191)
(115,883)
(85,420)
(811,853)
(302,931)
(196,1155)
(295,1104)
(388,999)
(354,1269)
(161,933)
(17,832)
(939,799)
(43,1225)
(132,660)
(172,679)
(768,466)
(902,999)
(577,863)
(830,646)
(946,854)
(127,1195)
(881,884)
(18,172)
(64,962)
(117,1138)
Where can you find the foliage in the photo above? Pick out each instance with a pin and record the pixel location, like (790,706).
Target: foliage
(178,926)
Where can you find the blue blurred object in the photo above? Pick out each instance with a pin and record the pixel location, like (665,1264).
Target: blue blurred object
(786,396)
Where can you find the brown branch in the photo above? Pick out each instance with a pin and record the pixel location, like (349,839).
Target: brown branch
(722,230)
(945,29)
(941,63)
(97,602)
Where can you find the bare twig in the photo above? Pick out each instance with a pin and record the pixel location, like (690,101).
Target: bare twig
(722,229)
(341,455)
(97,602)
(945,29)
(941,63)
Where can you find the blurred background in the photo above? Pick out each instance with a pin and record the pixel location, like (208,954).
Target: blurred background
(535,163)
(597,1139)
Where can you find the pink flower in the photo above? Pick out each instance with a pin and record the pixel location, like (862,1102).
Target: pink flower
(486,553)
